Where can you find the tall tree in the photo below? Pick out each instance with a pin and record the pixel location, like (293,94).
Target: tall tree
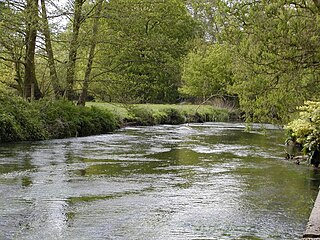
(277,55)
(146,42)
(48,46)
(31,88)
(73,48)
(207,72)
(95,28)
(12,42)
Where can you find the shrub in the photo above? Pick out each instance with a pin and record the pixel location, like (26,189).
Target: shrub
(306,129)
(174,116)
(95,121)
(160,117)
(9,130)
(142,116)
(63,119)
(19,120)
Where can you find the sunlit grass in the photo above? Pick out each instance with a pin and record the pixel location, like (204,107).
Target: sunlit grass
(124,110)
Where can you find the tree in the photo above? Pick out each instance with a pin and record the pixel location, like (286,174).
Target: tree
(95,28)
(73,48)
(277,61)
(31,88)
(305,130)
(207,72)
(49,49)
(12,45)
(143,46)
(19,25)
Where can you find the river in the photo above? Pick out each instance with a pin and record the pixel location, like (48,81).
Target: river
(192,181)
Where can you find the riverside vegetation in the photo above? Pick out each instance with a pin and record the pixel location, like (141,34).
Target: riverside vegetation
(30,121)
(261,56)
(305,131)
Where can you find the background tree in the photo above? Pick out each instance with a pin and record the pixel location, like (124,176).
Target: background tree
(94,36)
(277,55)
(78,18)
(49,50)
(142,51)
(31,88)
(12,45)
(207,72)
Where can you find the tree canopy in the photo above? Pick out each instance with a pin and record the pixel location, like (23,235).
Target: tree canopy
(265,53)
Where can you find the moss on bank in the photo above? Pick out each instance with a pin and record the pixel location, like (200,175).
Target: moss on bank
(39,120)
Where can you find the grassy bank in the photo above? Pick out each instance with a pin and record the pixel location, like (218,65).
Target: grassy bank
(153,114)
(24,121)
(39,120)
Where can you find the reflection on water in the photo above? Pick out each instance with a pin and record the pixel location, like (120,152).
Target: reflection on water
(195,181)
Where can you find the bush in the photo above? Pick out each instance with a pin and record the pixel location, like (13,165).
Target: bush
(21,120)
(95,121)
(63,119)
(146,117)
(151,114)
(174,116)
(306,129)
(10,130)
(142,116)
(160,117)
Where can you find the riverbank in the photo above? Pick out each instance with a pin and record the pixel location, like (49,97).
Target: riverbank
(39,120)
(155,114)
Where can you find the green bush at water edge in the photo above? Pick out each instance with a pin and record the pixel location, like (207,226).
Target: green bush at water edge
(63,119)
(306,128)
(24,121)
(19,120)
(38,120)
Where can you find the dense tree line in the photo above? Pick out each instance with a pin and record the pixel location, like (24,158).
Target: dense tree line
(264,53)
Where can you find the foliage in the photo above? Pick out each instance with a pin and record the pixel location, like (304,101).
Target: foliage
(277,55)
(306,128)
(207,71)
(21,120)
(141,116)
(63,119)
(151,114)
(143,44)
(264,52)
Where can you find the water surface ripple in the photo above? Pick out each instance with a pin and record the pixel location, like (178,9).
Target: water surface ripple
(192,181)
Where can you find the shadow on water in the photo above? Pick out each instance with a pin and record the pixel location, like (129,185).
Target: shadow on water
(128,168)
(18,166)
(196,181)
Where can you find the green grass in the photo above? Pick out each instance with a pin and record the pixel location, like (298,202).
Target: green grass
(120,110)
(21,120)
(151,114)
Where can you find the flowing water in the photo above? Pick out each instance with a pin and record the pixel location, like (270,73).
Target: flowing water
(196,181)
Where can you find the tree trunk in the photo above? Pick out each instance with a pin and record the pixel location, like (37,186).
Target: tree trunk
(47,38)
(18,78)
(74,44)
(95,28)
(31,88)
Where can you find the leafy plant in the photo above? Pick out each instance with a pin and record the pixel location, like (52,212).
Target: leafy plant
(306,129)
